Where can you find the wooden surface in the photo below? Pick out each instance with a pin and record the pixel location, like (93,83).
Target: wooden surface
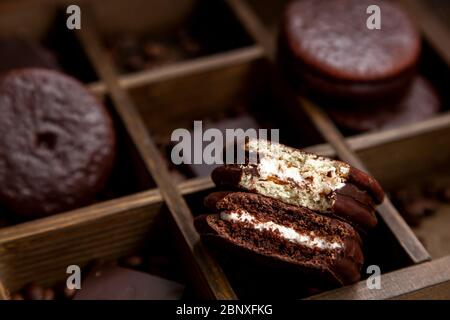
(434,29)
(39,250)
(417,281)
(388,212)
(183,68)
(210,279)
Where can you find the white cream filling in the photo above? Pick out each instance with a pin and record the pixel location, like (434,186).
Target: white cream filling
(315,176)
(290,234)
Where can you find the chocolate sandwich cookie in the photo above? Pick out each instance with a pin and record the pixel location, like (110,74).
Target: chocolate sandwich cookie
(20,53)
(326,46)
(421,102)
(57,143)
(303,179)
(325,250)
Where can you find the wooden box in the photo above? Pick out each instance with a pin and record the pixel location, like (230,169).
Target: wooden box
(147,204)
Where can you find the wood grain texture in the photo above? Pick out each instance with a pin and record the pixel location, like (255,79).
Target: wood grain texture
(440,291)
(199,95)
(416,280)
(38,16)
(40,250)
(332,135)
(183,68)
(435,31)
(207,273)
(3,292)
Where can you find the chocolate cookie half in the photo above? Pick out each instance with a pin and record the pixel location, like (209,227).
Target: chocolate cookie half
(326,251)
(57,143)
(303,179)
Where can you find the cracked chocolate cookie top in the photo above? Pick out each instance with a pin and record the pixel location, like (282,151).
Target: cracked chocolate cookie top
(57,143)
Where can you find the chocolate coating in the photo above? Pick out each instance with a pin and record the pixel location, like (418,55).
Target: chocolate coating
(421,102)
(57,143)
(331,37)
(339,268)
(354,203)
(326,48)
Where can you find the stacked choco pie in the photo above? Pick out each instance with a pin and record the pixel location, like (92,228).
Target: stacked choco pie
(366,78)
(292,210)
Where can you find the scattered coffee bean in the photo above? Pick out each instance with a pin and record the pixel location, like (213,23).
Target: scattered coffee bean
(33,291)
(187,42)
(413,213)
(49,294)
(155,50)
(17,296)
(429,206)
(431,189)
(69,293)
(134,261)
(134,63)
(134,53)
(444,194)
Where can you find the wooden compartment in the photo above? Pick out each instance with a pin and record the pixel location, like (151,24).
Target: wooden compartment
(148,105)
(127,177)
(45,24)
(381,248)
(432,66)
(415,162)
(232,89)
(166,34)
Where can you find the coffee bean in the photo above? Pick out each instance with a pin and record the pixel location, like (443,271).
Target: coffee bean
(413,213)
(134,63)
(431,189)
(49,294)
(17,296)
(33,291)
(187,43)
(404,196)
(69,293)
(444,194)
(155,51)
(126,45)
(429,206)
(133,261)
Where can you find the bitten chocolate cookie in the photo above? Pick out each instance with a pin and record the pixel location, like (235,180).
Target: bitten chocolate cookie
(324,250)
(421,102)
(326,46)
(21,53)
(57,143)
(299,178)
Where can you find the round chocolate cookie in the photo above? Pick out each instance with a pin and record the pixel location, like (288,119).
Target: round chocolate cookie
(327,47)
(21,53)
(420,102)
(57,143)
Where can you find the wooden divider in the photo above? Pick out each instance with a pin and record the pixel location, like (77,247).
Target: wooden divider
(211,281)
